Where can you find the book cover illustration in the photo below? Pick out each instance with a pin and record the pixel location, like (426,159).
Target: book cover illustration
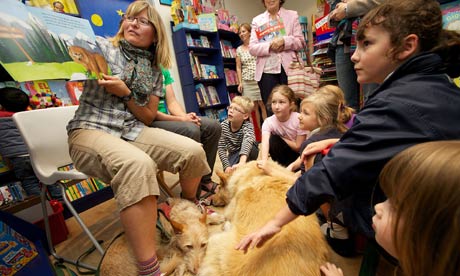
(268,31)
(451,15)
(207,22)
(37,44)
(209,71)
(74,90)
(43,93)
(60,6)
(103,16)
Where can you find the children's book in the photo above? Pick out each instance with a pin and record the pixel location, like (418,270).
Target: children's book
(212,95)
(74,89)
(37,44)
(104,16)
(205,41)
(270,30)
(207,22)
(60,6)
(209,71)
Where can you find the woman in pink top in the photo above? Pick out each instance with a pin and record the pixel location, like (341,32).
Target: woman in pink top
(275,37)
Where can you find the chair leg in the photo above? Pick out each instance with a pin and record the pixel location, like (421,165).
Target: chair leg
(48,234)
(80,221)
(162,184)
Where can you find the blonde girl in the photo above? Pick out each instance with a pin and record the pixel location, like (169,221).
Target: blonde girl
(281,135)
(323,113)
(245,69)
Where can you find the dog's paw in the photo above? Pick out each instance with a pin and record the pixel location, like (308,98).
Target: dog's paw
(227,226)
(215,218)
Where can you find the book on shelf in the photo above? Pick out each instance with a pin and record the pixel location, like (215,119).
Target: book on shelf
(206,95)
(83,188)
(451,15)
(60,6)
(227,49)
(209,71)
(207,22)
(195,65)
(189,40)
(205,41)
(74,89)
(216,114)
(231,77)
(51,44)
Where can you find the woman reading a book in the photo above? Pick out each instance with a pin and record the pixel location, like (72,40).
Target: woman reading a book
(276,35)
(109,137)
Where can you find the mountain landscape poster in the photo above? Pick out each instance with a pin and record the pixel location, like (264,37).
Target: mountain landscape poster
(37,44)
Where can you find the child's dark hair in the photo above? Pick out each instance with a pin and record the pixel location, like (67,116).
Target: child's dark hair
(423,18)
(13,99)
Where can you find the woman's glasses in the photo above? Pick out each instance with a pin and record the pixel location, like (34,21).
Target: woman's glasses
(140,20)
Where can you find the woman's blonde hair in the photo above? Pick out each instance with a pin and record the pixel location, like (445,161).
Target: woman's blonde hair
(423,186)
(287,92)
(161,51)
(329,107)
(244,102)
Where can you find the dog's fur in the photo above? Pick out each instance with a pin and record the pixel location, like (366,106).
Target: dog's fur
(181,255)
(299,249)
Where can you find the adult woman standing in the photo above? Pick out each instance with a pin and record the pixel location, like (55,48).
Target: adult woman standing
(109,137)
(274,49)
(245,69)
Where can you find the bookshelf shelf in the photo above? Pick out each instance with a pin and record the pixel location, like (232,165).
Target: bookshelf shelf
(198,64)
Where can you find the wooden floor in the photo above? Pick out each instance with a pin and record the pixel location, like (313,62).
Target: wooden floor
(103,221)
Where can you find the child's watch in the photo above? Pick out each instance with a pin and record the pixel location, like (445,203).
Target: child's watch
(126,98)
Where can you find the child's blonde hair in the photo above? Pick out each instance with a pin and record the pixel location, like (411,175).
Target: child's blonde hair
(327,107)
(345,112)
(247,26)
(244,102)
(287,92)
(422,184)
(162,52)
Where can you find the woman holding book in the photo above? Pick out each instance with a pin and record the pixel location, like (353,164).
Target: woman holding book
(274,50)
(109,137)
(245,69)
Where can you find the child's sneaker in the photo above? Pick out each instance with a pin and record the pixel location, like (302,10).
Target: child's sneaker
(338,238)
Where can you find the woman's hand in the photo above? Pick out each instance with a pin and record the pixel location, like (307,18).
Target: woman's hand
(240,88)
(192,117)
(259,237)
(114,85)
(339,12)
(329,269)
(277,45)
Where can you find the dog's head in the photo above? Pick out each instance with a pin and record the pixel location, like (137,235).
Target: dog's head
(191,233)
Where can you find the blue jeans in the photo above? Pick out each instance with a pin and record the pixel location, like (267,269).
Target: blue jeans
(23,171)
(207,134)
(346,77)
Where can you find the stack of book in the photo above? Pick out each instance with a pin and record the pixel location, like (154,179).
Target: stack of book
(82,188)
(206,95)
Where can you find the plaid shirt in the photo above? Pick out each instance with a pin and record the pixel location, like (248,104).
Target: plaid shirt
(101,110)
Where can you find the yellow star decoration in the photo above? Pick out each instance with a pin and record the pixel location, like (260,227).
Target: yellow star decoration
(120,12)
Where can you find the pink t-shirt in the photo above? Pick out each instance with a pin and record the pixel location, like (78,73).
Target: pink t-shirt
(289,129)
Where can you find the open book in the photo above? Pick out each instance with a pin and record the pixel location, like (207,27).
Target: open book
(37,44)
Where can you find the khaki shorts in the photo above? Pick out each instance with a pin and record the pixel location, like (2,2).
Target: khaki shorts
(131,166)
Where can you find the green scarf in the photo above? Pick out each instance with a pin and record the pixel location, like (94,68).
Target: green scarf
(138,73)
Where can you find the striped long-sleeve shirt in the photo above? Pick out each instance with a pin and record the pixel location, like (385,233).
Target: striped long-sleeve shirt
(230,142)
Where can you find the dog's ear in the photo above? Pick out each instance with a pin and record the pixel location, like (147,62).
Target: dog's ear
(178,227)
(223,178)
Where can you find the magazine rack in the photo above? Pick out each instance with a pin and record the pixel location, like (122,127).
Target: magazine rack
(48,149)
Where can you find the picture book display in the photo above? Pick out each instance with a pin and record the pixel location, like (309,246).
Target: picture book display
(38,44)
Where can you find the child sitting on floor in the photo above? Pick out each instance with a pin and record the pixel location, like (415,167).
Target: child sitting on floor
(237,143)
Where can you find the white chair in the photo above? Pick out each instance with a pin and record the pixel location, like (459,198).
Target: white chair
(44,133)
